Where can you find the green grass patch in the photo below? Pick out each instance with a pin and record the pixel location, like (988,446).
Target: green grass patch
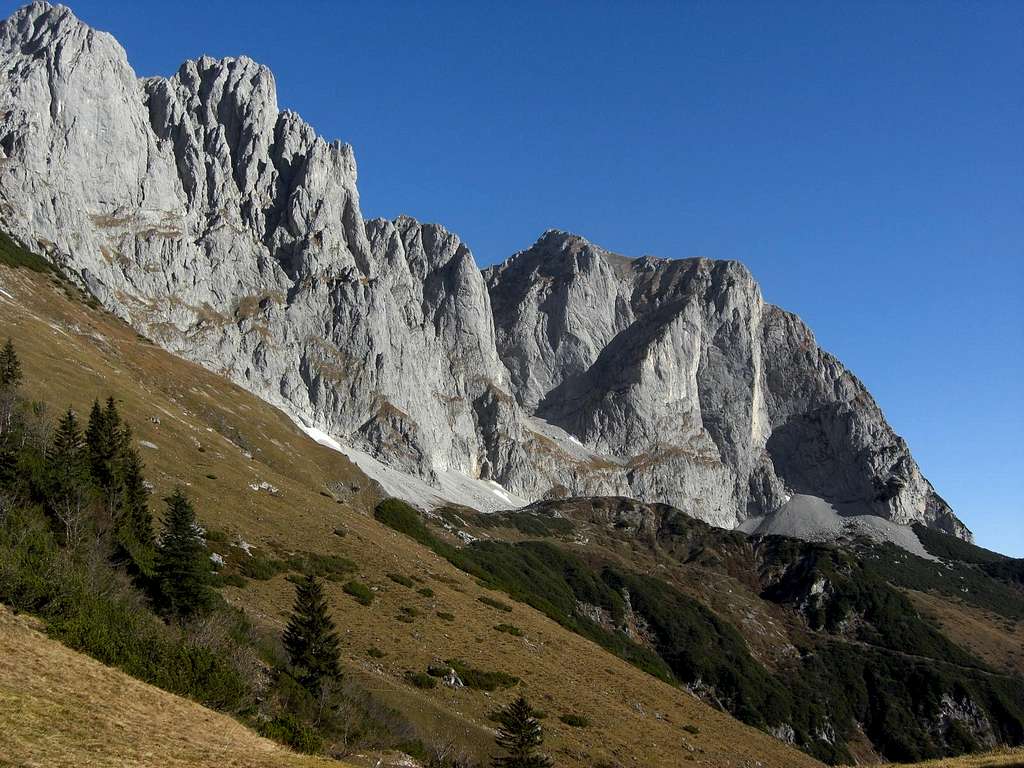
(509,629)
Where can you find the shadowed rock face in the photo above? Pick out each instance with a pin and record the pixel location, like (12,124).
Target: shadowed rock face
(230,233)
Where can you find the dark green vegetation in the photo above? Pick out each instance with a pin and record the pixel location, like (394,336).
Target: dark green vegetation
(497,605)
(359,591)
(311,639)
(480,679)
(576,721)
(78,550)
(13,255)
(865,659)
(398,578)
(520,737)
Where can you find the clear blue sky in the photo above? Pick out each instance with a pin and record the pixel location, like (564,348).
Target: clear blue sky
(865,160)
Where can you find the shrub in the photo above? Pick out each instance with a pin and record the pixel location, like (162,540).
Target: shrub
(445,616)
(375,653)
(480,679)
(229,580)
(398,578)
(425,591)
(509,629)
(330,567)
(359,591)
(576,721)
(420,679)
(287,729)
(261,568)
(496,604)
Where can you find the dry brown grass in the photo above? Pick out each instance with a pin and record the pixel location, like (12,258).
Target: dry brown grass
(60,708)
(73,354)
(994,639)
(1002,758)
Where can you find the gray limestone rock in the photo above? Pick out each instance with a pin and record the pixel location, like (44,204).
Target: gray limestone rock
(230,233)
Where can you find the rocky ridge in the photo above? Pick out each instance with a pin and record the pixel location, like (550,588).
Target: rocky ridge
(230,233)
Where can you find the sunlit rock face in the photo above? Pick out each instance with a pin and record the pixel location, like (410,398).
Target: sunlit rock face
(230,233)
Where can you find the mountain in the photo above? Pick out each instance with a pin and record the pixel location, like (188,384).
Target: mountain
(228,232)
(271,500)
(649,625)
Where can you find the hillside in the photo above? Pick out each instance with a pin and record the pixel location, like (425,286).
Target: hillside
(61,709)
(201,425)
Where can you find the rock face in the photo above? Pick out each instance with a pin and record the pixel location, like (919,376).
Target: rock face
(230,233)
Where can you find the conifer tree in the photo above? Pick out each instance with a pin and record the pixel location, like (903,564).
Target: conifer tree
(67,471)
(520,736)
(182,567)
(10,367)
(103,437)
(10,378)
(310,637)
(133,526)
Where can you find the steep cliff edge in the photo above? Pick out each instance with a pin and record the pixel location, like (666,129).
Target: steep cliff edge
(229,232)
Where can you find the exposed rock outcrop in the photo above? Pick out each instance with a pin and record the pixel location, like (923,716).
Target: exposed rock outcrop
(229,232)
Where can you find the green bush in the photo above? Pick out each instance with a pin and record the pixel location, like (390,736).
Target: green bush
(398,578)
(359,591)
(480,679)
(576,721)
(261,568)
(330,567)
(287,729)
(420,679)
(509,629)
(425,591)
(445,616)
(375,653)
(496,604)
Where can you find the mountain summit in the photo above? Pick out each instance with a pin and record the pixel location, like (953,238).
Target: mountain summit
(230,233)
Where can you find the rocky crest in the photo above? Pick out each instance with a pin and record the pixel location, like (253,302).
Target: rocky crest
(230,233)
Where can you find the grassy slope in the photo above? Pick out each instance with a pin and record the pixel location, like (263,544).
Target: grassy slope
(72,354)
(109,719)
(1010,758)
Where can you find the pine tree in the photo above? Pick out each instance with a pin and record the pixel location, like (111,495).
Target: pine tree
(520,736)
(103,437)
(310,637)
(68,481)
(10,378)
(133,527)
(10,367)
(182,567)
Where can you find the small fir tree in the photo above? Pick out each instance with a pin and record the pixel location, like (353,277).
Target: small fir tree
(104,439)
(67,478)
(520,736)
(182,567)
(310,637)
(10,367)
(133,527)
